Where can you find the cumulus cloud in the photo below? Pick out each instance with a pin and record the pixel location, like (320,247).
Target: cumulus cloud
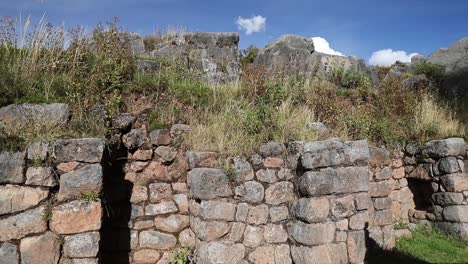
(251,25)
(322,45)
(387,57)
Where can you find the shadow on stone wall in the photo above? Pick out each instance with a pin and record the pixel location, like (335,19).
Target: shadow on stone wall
(115,233)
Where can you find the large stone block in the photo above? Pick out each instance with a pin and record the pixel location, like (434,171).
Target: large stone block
(445,147)
(356,246)
(220,252)
(161,208)
(251,192)
(41,176)
(262,255)
(311,234)
(12,167)
(447,198)
(9,253)
(275,234)
(157,240)
(321,154)
(75,184)
(40,249)
(208,230)
(38,150)
(207,183)
(258,215)
(199,159)
(23,115)
(23,224)
(82,245)
(15,198)
(160,192)
(456,229)
(457,182)
(280,192)
(172,224)
(456,213)
(381,188)
(311,210)
(334,181)
(253,236)
(88,150)
(324,254)
(449,165)
(76,217)
(243,171)
(217,210)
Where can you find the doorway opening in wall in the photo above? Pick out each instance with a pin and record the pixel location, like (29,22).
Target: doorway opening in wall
(422,193)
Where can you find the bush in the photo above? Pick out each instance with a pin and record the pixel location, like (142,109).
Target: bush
(434,72)
(248,55)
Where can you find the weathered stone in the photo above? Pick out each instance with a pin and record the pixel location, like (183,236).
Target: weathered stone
(123,121)
(312,210)
(420,173)
(382,218)
(160,192)
(38,151)
(444,148)
(341,236)
(456,213)
(257,161)
(65,167)
(275,234)
(311,234)
(334,181)
(362,201)
(294,151)
(449,165)
(220,252)
(447,198)
(332,152)
(359,221)
(279,213)
(206,183)
(136,211)
(15,198)
(243,171)
(9,253)
(160,137)
(24,115)
(272,162)
(280,192)
(262,255)
(146,256)
(141,155)
(182,202)
(208,230)
(171,224)
(157,240)
(199,159)
(282,254)
(88,150)
(356,246)
(268,176)
(272,149)
(167,154)
(23,224)
(167,258)
(384,174)
(135,138)
(40,176)
(382,203)
(187,238)
(252,192)
(324,254)
(342,224)
(388,237)
(379,157)
(253,236)
(40,249)
(242,211)
(456,229)
(161,208)
(399,173)
(380,189)
(399,233)
(75,184)
(12,164)
(342,207)
(81,245)
(457,182)
(139,194)
(237,231)
(258,214)
(217,210)
(76,217)
(143,224)
(179,130)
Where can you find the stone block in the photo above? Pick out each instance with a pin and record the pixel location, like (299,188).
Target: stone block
(251,192)
(447,198)
(334,181)
(157,240)
(253,236)
(382,203)
(75,184)
(161,208)
(76,217)
(182,202)
(172,224)
(160,137)
(356,246)
(160,192)
(323,254)
(166,154)
(280,192)
(207,183)
(187,238)
(268,175)
(139,194)
(446,147)
(448,165)
(272,149)
(311,210)
(15,198)
(40,249)
(23,224)
(89,150)
(456,213)
(385,174)
(199,159)
(12,167)
(279,213)
(457,182)
(84,245)
(327,153)
(208,230)
(311,234)
(275,234)
(283,254)
(237,231)
(135,138)
(258,214)
(399,173)
(217,210)
(242,212)
(146,256)
(220,252)
(362,201)
(9,253)
(380,189)
(243,171)
(41,176)
(272,162)
(359,221)
(262,255)
(382,218)
(342,207)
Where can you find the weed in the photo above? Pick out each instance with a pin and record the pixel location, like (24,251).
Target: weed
(90,196)
(432,71)
(47,213)
(36,162)
(182,255)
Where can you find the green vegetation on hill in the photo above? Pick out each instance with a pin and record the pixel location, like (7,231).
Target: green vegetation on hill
(98,71)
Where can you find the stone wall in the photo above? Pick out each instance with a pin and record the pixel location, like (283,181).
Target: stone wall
(50,210)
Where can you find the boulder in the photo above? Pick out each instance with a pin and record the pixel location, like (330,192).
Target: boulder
(89,150)
(75,184)
(455,61)
(214,55)
(15,198)
(12,167)
(26,115)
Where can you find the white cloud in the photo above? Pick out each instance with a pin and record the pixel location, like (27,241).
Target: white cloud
(387,57)
(322,45)
(251,25)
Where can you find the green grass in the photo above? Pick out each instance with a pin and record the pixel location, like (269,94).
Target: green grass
(426,246)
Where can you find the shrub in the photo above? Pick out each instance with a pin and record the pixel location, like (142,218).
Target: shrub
(248,55)
(434,72)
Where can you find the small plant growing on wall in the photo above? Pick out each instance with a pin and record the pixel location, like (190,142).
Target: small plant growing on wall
(183,255)
(90,196)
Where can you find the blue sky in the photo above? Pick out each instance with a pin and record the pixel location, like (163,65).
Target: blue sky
(352,27)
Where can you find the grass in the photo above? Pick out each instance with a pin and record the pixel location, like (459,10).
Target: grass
(425,246)
(96,70)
